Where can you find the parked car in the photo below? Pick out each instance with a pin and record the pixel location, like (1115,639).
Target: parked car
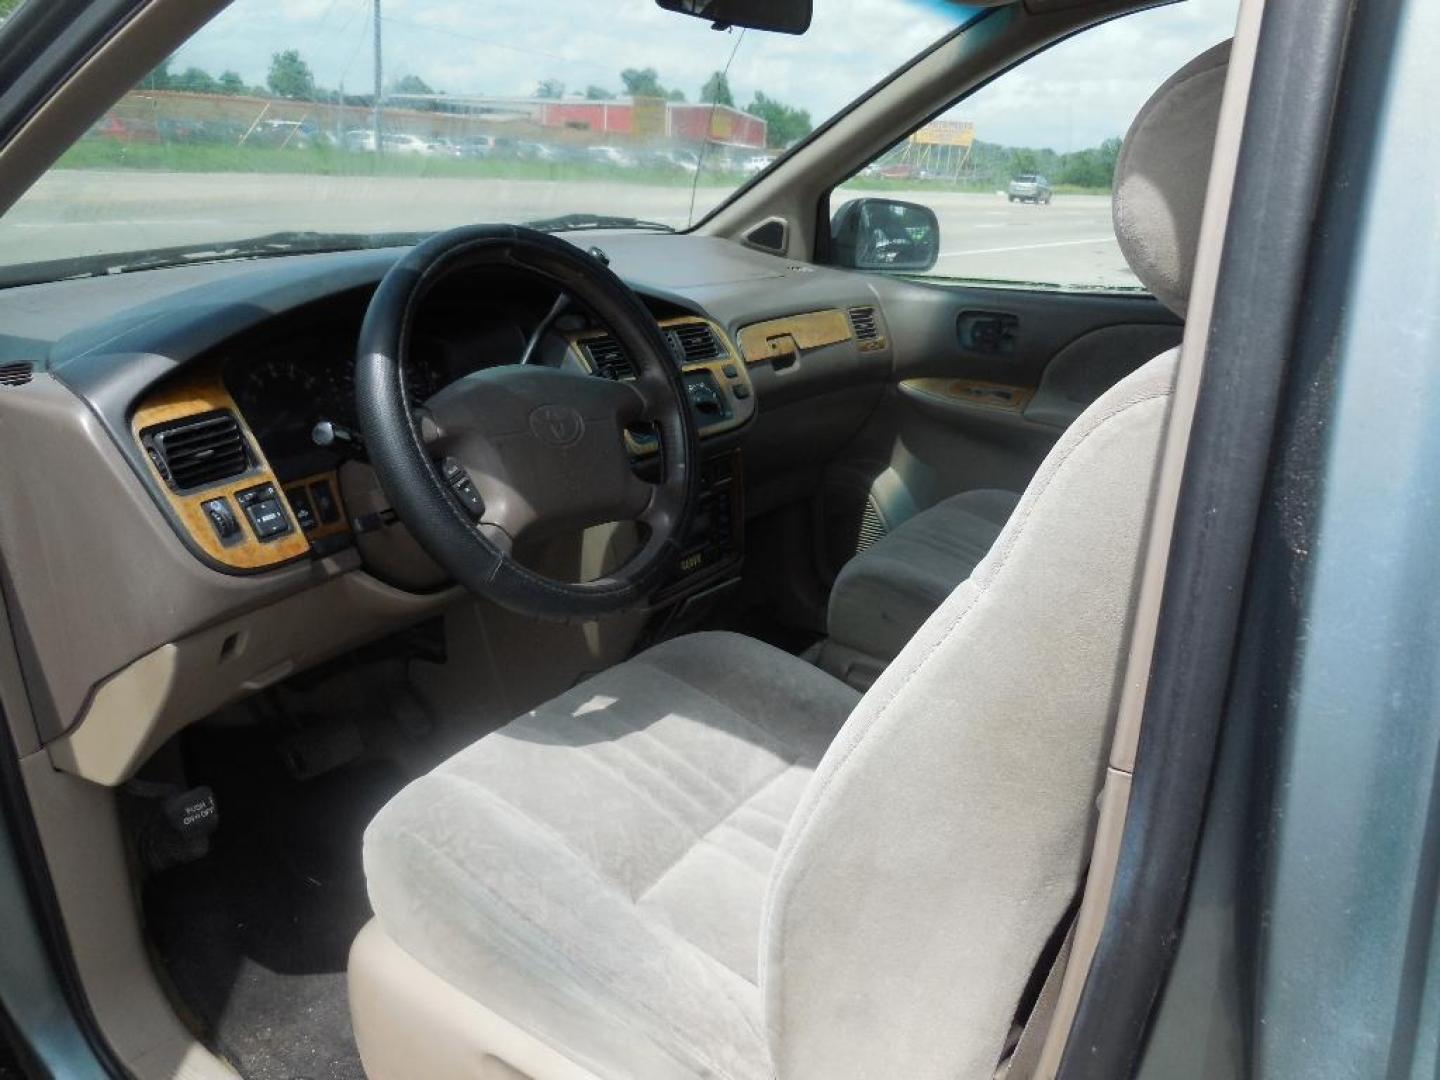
(180,131)
(609,155)
(1031,188)
(477,146)
(408,145)
(289,134)
(898,170)
(538,151)
(685,160)
(756,163)
(443,147)
(123,129)
(359,139)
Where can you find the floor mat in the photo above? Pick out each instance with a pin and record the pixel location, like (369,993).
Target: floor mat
(254,936)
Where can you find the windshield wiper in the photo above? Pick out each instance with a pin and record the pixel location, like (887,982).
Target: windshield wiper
(584,222)
(256,247)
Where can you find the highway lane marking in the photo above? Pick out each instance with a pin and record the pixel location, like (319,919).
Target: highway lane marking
(1027,247)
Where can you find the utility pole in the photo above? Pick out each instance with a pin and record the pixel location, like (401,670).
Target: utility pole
(375,123)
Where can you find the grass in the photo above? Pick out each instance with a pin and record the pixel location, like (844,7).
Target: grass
(325,161)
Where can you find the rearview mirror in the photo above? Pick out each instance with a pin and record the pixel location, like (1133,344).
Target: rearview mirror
(885,234)
(781,16)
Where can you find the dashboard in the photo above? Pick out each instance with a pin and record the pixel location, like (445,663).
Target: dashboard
(245,359)
(249,444)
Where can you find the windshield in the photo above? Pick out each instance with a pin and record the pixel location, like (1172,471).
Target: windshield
(573,113)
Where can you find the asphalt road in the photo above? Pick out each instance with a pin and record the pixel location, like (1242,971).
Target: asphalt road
(81,212)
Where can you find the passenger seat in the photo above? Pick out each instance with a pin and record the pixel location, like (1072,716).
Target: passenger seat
(882,595)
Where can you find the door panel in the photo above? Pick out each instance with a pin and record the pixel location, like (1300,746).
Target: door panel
(984,381)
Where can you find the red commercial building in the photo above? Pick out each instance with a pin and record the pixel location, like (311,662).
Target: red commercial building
(652,118)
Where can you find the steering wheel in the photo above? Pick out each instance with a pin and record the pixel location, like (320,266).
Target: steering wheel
(511,453)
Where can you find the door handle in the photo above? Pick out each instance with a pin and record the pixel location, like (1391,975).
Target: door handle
(989,332)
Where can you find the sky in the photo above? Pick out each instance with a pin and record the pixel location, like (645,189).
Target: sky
(1077,94)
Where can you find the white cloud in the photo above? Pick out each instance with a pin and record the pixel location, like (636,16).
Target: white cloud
(1080,92)
(1088,89)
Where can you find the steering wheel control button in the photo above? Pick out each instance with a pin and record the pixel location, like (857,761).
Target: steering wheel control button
(463,487)
(326,508)
(304,511)
(222,518)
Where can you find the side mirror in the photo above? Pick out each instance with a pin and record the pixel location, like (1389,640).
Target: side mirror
(885,235)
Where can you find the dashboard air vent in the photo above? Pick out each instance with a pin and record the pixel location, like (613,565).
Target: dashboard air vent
(198,451)
(694,342)
(16,374)
(863,322)
(608,358)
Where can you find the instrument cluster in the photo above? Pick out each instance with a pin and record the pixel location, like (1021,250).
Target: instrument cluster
(287,389)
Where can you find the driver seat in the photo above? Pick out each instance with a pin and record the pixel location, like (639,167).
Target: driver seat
(716,860)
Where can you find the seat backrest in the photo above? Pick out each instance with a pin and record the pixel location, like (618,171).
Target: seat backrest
(946,829)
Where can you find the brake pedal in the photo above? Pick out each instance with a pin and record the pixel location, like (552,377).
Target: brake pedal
(320,746)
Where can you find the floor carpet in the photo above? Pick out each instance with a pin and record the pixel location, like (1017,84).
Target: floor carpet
(254,936)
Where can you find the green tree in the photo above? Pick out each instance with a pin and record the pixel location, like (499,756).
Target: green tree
(553,89)
(642,82)
(784,124)
(410,84)
(290,76)
(159,78)
(597,93)
(674,95)
(1108,155)
(716,90)
(1023,161)
(195,80)
(230,83)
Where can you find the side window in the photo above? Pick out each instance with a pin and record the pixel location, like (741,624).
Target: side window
(1018,175)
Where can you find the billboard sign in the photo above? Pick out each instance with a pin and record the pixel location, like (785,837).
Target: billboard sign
(945,133)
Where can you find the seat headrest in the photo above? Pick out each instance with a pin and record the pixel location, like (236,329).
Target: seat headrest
(1161,173)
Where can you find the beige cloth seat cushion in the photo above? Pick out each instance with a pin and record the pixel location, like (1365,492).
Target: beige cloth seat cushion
(882,595)
(594,872)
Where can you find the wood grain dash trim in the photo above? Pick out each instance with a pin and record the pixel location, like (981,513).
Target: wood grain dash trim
(794,333)
(987,395)
(190,395)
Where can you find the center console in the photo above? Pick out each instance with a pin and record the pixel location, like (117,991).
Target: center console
(712,549)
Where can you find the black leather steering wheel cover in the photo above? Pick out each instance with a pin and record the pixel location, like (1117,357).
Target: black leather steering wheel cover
(411,480)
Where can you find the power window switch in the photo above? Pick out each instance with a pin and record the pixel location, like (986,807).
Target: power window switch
(222,518)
